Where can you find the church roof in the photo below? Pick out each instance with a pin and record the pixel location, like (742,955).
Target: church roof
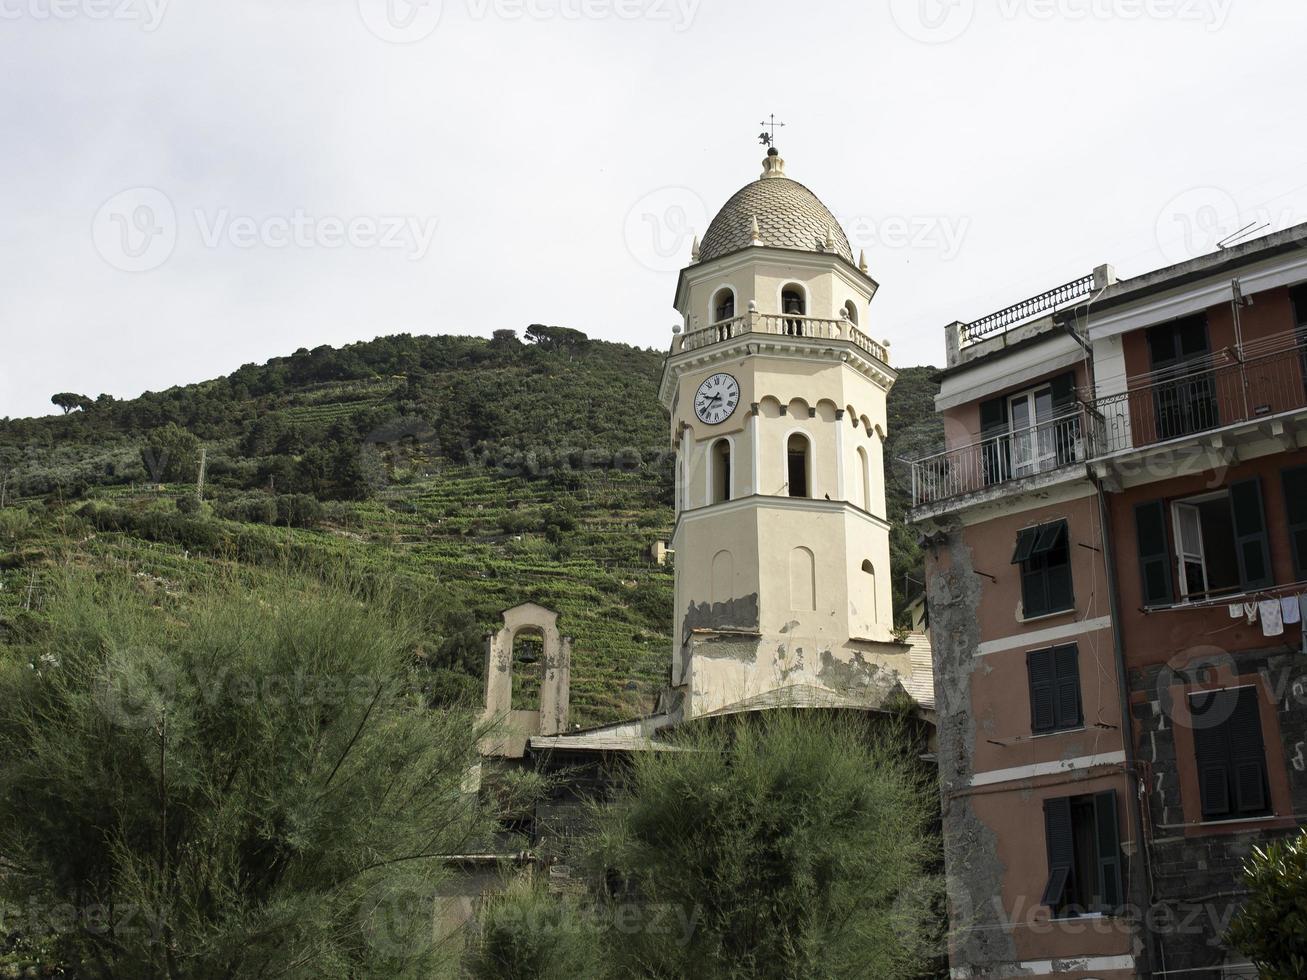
(788,215)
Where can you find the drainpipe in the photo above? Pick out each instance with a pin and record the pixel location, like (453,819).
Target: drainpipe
(1141,897)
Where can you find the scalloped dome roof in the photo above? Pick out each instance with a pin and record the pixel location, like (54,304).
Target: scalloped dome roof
(788,215)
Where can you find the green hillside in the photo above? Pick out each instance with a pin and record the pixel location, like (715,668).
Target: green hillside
(465,475)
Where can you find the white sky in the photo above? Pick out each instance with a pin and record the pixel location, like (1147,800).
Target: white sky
(981,150)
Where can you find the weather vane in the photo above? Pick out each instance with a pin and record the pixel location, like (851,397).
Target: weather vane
(768,138)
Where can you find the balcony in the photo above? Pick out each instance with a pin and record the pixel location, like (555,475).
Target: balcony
(779,325)
(991,463)
(1230,389)
(1261,380)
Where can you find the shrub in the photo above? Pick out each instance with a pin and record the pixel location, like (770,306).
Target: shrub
(1271,929)
(298,510)
(528,933)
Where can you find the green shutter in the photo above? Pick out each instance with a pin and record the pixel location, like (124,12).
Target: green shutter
(1061,850)
(1154,554)
(1043,693)
(1295,507)
(1066,667)
(1107,840)
(1250,539)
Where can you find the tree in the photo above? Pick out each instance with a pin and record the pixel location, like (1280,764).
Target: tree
(246,783)
(171,455)
(1271,929)
(788,845)
(68,400)
(556,338)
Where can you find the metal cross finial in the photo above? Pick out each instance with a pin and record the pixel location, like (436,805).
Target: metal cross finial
(769,138)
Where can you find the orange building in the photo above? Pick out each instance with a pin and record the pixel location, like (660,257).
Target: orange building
(1116,537)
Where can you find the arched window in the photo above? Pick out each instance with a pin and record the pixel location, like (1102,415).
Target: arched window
(723,577)
(799,465)
(723,304)
(803,580)
(851,312)
(528,666)
(794,307)
(869,570)
(721,471)
(864,470)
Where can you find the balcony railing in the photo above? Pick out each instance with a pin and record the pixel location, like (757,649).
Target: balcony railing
(991,462)
(781,325)
(1225,389)
(1259,380)
(1034,306)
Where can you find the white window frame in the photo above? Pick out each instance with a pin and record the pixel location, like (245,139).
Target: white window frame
(1178,540)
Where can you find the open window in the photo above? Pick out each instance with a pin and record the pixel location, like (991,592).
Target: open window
(798,465)
(864,475)
(1031,431)
(1084,855)
(794,306)
(1184,399)
(1044,554)
(528,667)
(721,471)
(851,312)
(723,304)
(1229,753)
(869,570)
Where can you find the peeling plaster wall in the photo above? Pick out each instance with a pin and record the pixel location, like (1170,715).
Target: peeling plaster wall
(975,873)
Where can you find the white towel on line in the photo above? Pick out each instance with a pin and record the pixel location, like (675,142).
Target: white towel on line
(1272,614)
(1292,611)
(1236,610)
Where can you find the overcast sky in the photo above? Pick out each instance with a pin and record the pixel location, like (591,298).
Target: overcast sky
(192,185)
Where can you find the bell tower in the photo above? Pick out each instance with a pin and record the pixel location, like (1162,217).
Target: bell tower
(777,393)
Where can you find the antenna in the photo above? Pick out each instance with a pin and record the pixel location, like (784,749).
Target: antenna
(1243,233)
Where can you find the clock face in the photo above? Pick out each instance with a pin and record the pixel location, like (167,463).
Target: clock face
(716,399)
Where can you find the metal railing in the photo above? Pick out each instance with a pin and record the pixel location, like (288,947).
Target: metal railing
(781,325)
(1228,388)
(1035,305)
(1040,448)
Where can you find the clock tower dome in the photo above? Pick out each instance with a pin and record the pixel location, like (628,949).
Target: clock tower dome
(777,392)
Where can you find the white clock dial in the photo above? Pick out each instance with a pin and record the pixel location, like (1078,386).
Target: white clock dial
(716,399)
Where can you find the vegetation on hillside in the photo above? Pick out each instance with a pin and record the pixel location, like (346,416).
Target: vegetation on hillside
(464,474)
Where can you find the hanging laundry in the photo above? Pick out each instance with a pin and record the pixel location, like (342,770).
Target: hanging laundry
(1250,610)
(1236,610)
(1292,611)
(1302,614)
(1272,614)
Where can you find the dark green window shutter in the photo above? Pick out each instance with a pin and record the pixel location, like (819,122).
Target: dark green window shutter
(1229,753)
(1061,849)
(1107,839)
(1026,539)
(1295,506)
(1043,691)
(1066,667)
(1250,538)
(1064,391)
(997,447)
(1154,553)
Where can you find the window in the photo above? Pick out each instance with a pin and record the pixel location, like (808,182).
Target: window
(851,312)
(797,469)
(720,459)
(1185,399)
(1229,753)
(869,570)
(1084,855)
(528,662)
(1295,504)
(1030,432)
(864,471)
(1045,559)
(723,305)
(795,307)
(1217,545)
(1054,689)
